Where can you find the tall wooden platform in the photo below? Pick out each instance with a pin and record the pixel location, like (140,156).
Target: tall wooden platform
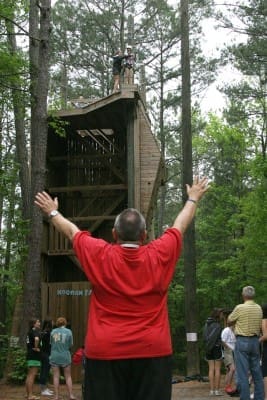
(107,160)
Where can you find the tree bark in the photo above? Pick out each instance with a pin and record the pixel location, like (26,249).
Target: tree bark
(191,322)
(21,139)
(163,190)
(39,87)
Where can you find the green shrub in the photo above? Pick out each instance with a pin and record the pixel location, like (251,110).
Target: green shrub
(3,353)
(18,365)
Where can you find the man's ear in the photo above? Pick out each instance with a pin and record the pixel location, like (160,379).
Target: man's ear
(143,236)
(114,235)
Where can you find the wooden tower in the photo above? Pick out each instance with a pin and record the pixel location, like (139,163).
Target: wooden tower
(107,160)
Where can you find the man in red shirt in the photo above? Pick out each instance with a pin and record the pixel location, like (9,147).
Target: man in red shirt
(128,344)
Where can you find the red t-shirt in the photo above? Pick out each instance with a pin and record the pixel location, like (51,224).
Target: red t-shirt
(128,316)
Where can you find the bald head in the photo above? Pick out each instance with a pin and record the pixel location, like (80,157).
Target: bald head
(130,226)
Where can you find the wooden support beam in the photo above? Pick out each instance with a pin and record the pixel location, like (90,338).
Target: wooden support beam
(82,157)
(110,166)
(130,157)
(86,188)
(92,218)
(107,212)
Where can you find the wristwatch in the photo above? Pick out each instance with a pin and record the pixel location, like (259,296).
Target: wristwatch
(53,213)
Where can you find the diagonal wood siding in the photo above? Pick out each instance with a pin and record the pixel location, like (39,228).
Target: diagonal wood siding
(151,166)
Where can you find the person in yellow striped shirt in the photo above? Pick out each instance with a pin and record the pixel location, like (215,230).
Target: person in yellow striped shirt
(247,320)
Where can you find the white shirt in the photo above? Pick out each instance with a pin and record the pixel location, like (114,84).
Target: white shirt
(228,337)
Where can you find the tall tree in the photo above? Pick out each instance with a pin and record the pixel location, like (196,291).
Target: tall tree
(191,311)
(39,68)
(247,96)
(12,81)
(248,107)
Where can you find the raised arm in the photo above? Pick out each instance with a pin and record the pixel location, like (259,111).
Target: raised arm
(194,192)
(48,206)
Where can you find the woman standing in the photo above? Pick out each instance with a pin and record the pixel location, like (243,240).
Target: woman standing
(33,356)
(214,353)
(45,353)
(60,357)
(129,67)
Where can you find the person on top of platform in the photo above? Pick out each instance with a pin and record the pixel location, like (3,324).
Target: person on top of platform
(129,66)
(116,69)
(128,343)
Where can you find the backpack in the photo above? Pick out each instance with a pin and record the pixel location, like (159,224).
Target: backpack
(211,335)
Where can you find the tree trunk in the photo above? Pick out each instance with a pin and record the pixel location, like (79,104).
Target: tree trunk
(162,198)
(191,322)
(32,277)
(21,140)
(3,289)
(18,100)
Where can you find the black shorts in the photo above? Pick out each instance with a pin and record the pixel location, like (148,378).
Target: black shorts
(215,354)
(116,71)
(133,379)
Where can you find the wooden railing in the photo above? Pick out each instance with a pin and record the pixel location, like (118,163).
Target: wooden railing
(57,243)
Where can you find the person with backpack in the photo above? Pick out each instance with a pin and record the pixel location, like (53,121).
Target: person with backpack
(213,349)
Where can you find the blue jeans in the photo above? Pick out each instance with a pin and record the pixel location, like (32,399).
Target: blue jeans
(247,359)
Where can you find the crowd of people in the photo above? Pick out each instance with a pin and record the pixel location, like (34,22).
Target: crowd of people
(241,345)
(48,348)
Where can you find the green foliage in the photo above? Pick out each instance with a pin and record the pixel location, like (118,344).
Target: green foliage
(230,252)
(3,353)
(18,366)
(230,233)
(176,312)
(58,125)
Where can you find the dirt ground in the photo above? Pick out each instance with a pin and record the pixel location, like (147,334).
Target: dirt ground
(180,391)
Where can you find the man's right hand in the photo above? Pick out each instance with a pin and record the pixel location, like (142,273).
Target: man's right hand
(46,203)
(62,224)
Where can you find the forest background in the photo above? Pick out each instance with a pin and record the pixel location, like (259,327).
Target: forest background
(53,56)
